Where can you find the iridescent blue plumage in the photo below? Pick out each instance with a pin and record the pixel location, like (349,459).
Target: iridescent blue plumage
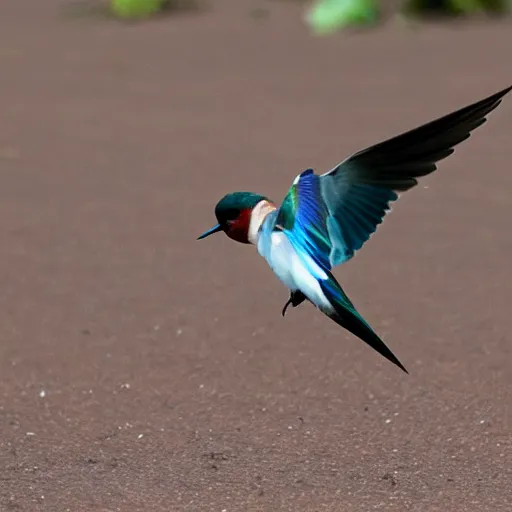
(355,211)
(333,215)
(303,217)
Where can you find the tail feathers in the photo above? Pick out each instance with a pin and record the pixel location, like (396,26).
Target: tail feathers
(346,315)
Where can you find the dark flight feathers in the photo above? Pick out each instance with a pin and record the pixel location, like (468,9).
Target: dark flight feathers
(397,162)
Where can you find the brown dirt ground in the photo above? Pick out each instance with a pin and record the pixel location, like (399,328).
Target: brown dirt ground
(144,371)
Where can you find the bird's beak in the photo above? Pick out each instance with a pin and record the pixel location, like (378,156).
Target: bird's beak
(215,229)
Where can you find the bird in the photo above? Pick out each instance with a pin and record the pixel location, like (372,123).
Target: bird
(325,219)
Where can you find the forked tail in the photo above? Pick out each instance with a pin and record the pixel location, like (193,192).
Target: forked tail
(346,315)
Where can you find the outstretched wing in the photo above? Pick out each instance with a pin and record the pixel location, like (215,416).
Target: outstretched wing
(333,215)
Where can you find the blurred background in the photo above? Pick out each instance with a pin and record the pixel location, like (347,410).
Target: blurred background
(142,370)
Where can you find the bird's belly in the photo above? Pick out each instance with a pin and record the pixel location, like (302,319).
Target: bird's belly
(282,260)
(293,270)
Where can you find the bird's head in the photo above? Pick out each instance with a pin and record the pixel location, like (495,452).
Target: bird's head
(233,214)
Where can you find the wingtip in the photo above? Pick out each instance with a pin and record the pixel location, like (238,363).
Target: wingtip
(507,90)
(498,96)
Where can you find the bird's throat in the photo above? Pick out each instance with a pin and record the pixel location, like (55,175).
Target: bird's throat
(258,214)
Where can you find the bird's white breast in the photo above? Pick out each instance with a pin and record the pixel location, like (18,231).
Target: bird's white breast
(297,272)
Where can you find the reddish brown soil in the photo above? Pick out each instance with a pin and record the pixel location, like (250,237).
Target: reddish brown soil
(141,370)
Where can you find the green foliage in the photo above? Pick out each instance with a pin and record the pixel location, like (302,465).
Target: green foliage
(327,16)
(134,9)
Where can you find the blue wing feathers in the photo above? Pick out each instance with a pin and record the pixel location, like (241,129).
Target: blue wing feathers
(333,215)
(357,213)
(330,224)
(310,227)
